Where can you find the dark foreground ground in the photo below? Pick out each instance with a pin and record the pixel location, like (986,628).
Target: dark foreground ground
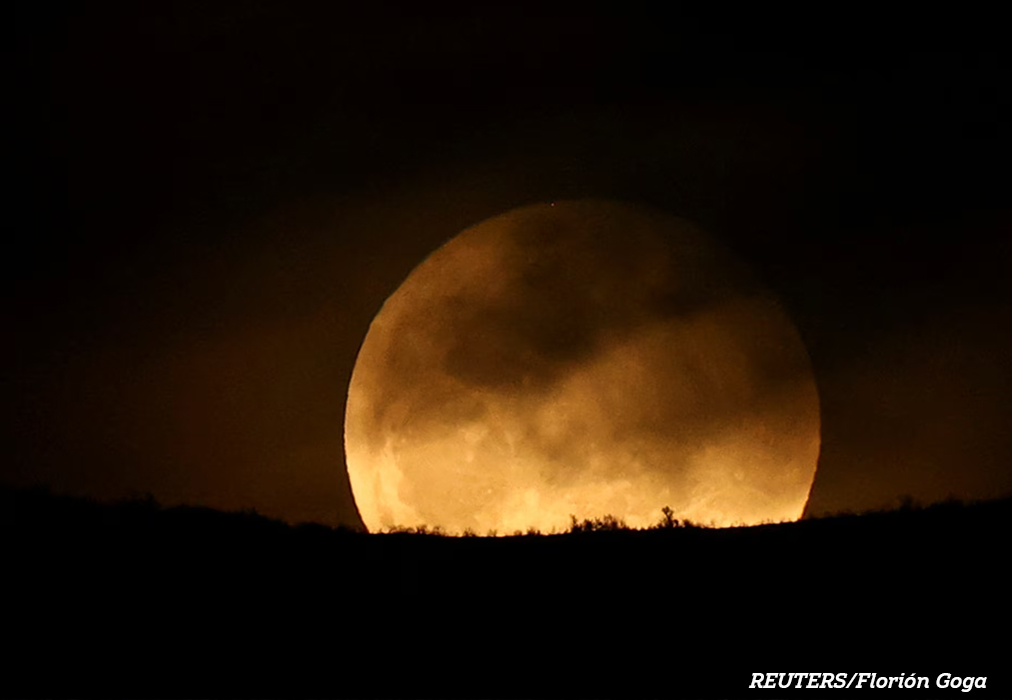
(137,600)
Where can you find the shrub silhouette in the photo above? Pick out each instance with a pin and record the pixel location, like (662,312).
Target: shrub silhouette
(436,531)
(668,521)
(607,523)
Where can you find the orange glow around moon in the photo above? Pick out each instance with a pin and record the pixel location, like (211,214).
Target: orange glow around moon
(582,358)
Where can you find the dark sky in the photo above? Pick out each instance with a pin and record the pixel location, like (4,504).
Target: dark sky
(210,204)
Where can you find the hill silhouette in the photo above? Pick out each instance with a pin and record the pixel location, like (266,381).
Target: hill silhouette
(132,598)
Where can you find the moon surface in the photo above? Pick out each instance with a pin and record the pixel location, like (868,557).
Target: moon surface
(583,358)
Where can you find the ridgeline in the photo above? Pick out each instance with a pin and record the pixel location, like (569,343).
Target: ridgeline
(107,595)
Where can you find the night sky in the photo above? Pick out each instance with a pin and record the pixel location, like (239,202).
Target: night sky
(211,205)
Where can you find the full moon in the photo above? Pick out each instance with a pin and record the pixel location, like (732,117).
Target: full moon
(583,358)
